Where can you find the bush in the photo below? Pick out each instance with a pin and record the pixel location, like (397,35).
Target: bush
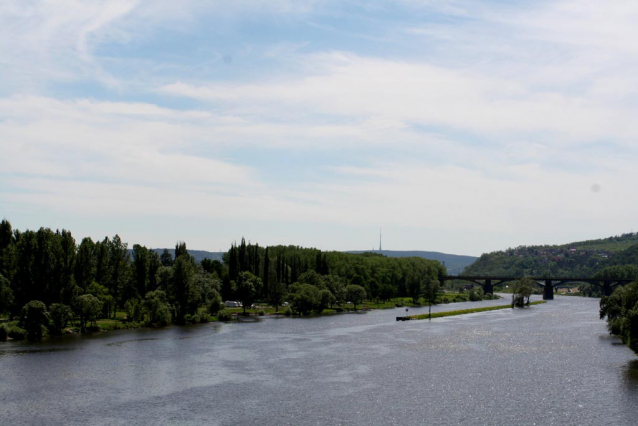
(17,333)
(204,318)
(261,313)
(288,312)
(224,315)
(445,300)
(476,294)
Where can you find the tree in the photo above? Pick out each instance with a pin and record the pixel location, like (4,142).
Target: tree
(621,310)
(103,295)
(85,264)
(356,294)
(140,268)
(414,287)
(386,292)
(522,291)
(248,287)
(6,295)
(35,317)
(277,294)
(157,309)
(180,249)
(183,291)
(60,315)
(430,289)
(305,298)
(324,300)
(88,308)
(166,258)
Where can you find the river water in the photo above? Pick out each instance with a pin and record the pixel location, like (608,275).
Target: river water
(552,364)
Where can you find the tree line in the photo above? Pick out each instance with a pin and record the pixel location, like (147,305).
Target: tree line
(49,271)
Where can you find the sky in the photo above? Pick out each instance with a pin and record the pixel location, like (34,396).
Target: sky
(455,126)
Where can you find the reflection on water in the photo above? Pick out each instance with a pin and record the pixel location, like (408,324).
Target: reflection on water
(549,364)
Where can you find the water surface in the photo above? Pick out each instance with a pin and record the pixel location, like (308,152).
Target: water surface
(551,364)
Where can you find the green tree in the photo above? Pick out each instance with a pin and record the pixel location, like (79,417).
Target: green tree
(35,317)
(166,258)
(430,289)
(305,298)
(140,268)
(104,296)
(60,316)
(157,309)
(85,264)
(356,294)
(324,300)
(248,287)
(277,294)
(522,291)
(88,309)
(6,295)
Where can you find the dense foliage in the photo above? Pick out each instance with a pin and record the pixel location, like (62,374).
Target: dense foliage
(97,279)
(581,259)
(621,310)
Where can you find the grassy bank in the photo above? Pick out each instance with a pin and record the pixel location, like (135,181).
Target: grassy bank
(467,311)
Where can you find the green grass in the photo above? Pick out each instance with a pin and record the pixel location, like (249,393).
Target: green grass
(467,311)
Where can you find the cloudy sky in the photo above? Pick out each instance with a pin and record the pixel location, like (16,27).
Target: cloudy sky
(456,126)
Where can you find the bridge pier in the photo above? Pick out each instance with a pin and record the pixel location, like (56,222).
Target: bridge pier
(548,290)
(607,288)
(488,287)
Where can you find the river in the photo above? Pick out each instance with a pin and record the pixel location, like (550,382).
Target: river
(552,364)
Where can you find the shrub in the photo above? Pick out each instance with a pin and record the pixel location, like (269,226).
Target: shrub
(476,294)
(224,315)
(204,318)
(288,312)
(17,333)
(261,313)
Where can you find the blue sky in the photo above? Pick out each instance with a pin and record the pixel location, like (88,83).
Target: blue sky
(457,126)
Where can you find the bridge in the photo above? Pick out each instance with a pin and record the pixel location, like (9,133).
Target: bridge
(548,283)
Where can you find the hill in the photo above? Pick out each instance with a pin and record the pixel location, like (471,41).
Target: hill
(582,258)
(454,263)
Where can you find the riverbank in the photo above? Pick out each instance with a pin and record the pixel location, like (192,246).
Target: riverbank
(466,311)
(121,321)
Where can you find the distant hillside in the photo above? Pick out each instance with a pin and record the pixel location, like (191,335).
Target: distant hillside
(199,255)
(581,258)
(453,262)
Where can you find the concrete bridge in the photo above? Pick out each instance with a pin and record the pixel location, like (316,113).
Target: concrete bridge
(548,283)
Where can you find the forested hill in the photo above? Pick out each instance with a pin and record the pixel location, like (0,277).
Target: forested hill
(583,258)
(454,263)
